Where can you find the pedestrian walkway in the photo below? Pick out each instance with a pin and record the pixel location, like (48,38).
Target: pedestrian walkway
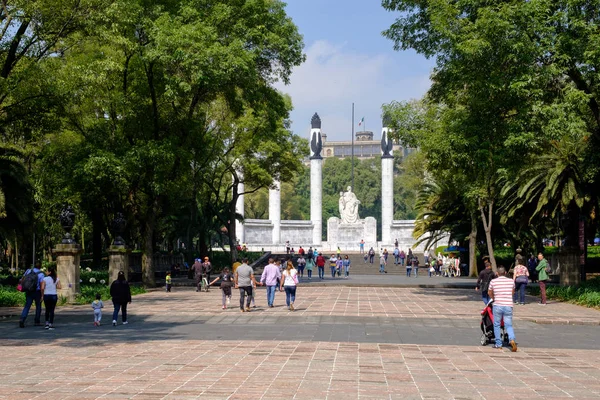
(342,342)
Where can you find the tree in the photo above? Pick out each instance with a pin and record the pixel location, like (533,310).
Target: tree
(143,86)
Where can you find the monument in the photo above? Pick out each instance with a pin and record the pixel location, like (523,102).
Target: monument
(348,230)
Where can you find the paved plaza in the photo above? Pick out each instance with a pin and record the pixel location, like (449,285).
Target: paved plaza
(342,342)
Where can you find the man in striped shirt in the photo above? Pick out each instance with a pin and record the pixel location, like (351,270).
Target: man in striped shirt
(501,290)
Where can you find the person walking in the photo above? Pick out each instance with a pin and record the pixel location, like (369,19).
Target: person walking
(339,266)
(361,245)
(483,282)
(426,256)
(382,264)
(48,287)
(301,265)
(402,256)
(121,296)
(520,277)
(197,269)
(97,306)
(415,264)
(244,281)
(371,255)
(270,278)
(310,265)
(396,256)
(289,281)
(332,264)
(531,264)
(408,268)
(226,279)
(542,272)
(31,284)
(321,265)
(501,290)
(346,265)
(206,270)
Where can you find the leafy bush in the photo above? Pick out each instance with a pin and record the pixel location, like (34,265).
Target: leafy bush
(586,294)
(88,293)
(85,276)
(11,297)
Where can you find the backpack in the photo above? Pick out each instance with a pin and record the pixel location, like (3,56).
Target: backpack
(30,281)
(548,267)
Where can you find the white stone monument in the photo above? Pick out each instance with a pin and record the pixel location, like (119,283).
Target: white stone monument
(387,183)
(316,179)
(348,230)
(275,211)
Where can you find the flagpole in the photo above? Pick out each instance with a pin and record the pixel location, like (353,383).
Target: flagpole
(352,147)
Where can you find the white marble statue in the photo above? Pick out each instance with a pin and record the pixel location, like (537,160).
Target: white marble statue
(348,207)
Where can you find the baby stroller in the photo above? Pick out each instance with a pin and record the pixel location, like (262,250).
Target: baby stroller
(487,326)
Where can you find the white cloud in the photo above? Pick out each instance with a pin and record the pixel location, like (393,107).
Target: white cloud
(333,77)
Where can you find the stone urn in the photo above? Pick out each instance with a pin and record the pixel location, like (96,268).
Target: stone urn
(118,227)
(67,221)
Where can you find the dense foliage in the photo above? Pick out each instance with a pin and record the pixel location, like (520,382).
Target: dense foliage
(153,109)
(511,120)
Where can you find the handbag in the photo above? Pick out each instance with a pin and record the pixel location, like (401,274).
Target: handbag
(20,287)
(522,279)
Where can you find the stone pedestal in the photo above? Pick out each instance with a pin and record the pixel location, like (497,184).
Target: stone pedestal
(387,199)
(118,260)
(275,211)
(316,199)
(348,236)
(67,269)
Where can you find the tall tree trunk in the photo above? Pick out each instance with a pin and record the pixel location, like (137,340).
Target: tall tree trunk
(97,228)
(148,278)
(231,230)
(473,246)
(487,227)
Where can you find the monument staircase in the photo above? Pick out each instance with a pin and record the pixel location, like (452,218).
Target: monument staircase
(359,267)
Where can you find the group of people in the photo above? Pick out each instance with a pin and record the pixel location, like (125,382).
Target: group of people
(43,287)
(506,292)
(275,276)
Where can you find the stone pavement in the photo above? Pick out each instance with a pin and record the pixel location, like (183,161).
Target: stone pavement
(342,342)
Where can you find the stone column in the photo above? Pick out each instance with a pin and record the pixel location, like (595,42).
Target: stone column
(239,209)
(316,179)
(387,185)
(118,260)
(275,211)
(67,269)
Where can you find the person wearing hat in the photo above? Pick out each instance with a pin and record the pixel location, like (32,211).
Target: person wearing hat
(121,295)
(197,270)
(206,269)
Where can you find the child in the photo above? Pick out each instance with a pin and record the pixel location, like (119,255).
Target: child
(168,281)
(97,305)
(226,282)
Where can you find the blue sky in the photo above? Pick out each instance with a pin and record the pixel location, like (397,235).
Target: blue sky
(348,60)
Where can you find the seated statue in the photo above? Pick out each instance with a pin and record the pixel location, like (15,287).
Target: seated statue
(348,207)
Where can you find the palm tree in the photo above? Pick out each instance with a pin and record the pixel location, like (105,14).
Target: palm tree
(556,183)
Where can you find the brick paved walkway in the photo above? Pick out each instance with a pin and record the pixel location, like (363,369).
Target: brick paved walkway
(343,342)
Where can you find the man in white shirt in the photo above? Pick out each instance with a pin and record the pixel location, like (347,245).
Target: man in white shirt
(501,290)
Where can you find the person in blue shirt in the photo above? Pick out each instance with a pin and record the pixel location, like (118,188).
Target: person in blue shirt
(30,297)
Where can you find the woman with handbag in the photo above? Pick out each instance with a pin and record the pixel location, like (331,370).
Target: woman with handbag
(521,278)
(289,281)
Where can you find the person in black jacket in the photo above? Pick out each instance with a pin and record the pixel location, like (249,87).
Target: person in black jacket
(121,295)
(483,282)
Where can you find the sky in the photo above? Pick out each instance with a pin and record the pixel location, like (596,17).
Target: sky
(348,60)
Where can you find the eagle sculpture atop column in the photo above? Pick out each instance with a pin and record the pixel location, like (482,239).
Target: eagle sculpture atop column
(316,144)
